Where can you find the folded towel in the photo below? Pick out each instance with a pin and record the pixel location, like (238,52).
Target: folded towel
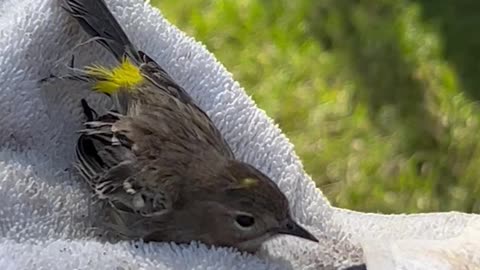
(45,214)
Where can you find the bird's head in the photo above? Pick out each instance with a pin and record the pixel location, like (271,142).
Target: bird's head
(242,208)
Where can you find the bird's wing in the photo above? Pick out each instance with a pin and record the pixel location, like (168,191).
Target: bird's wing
(161,80)
(106,160)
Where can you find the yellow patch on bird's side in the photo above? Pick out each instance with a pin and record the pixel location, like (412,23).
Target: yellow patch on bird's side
(124,76)
(248,182)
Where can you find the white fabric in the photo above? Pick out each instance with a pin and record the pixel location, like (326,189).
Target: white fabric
(44,207)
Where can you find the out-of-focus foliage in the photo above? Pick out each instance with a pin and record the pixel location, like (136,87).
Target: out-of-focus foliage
(378,96)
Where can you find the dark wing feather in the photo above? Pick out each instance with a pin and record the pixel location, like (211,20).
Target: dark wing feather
(98,151)
(105,159)
(163,82)
(97,20)
(160,78)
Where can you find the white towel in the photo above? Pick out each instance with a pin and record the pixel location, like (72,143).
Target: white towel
(44,206)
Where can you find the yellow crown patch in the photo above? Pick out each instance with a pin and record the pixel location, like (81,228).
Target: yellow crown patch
(248,182)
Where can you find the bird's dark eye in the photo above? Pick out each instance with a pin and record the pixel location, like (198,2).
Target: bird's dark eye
(245,221)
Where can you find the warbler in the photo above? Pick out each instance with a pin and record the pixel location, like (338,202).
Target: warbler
(159,162)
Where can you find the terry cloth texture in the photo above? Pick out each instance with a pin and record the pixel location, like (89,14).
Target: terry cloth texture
(46,210)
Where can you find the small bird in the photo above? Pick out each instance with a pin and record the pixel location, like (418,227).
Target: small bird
(157,160)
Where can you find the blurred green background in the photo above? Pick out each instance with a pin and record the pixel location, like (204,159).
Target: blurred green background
(379,97)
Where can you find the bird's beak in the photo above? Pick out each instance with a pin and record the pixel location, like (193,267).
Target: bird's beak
(290,227)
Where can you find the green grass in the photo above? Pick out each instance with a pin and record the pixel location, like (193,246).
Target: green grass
(366,91)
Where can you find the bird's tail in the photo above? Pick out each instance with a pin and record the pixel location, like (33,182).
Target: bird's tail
(97,20)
